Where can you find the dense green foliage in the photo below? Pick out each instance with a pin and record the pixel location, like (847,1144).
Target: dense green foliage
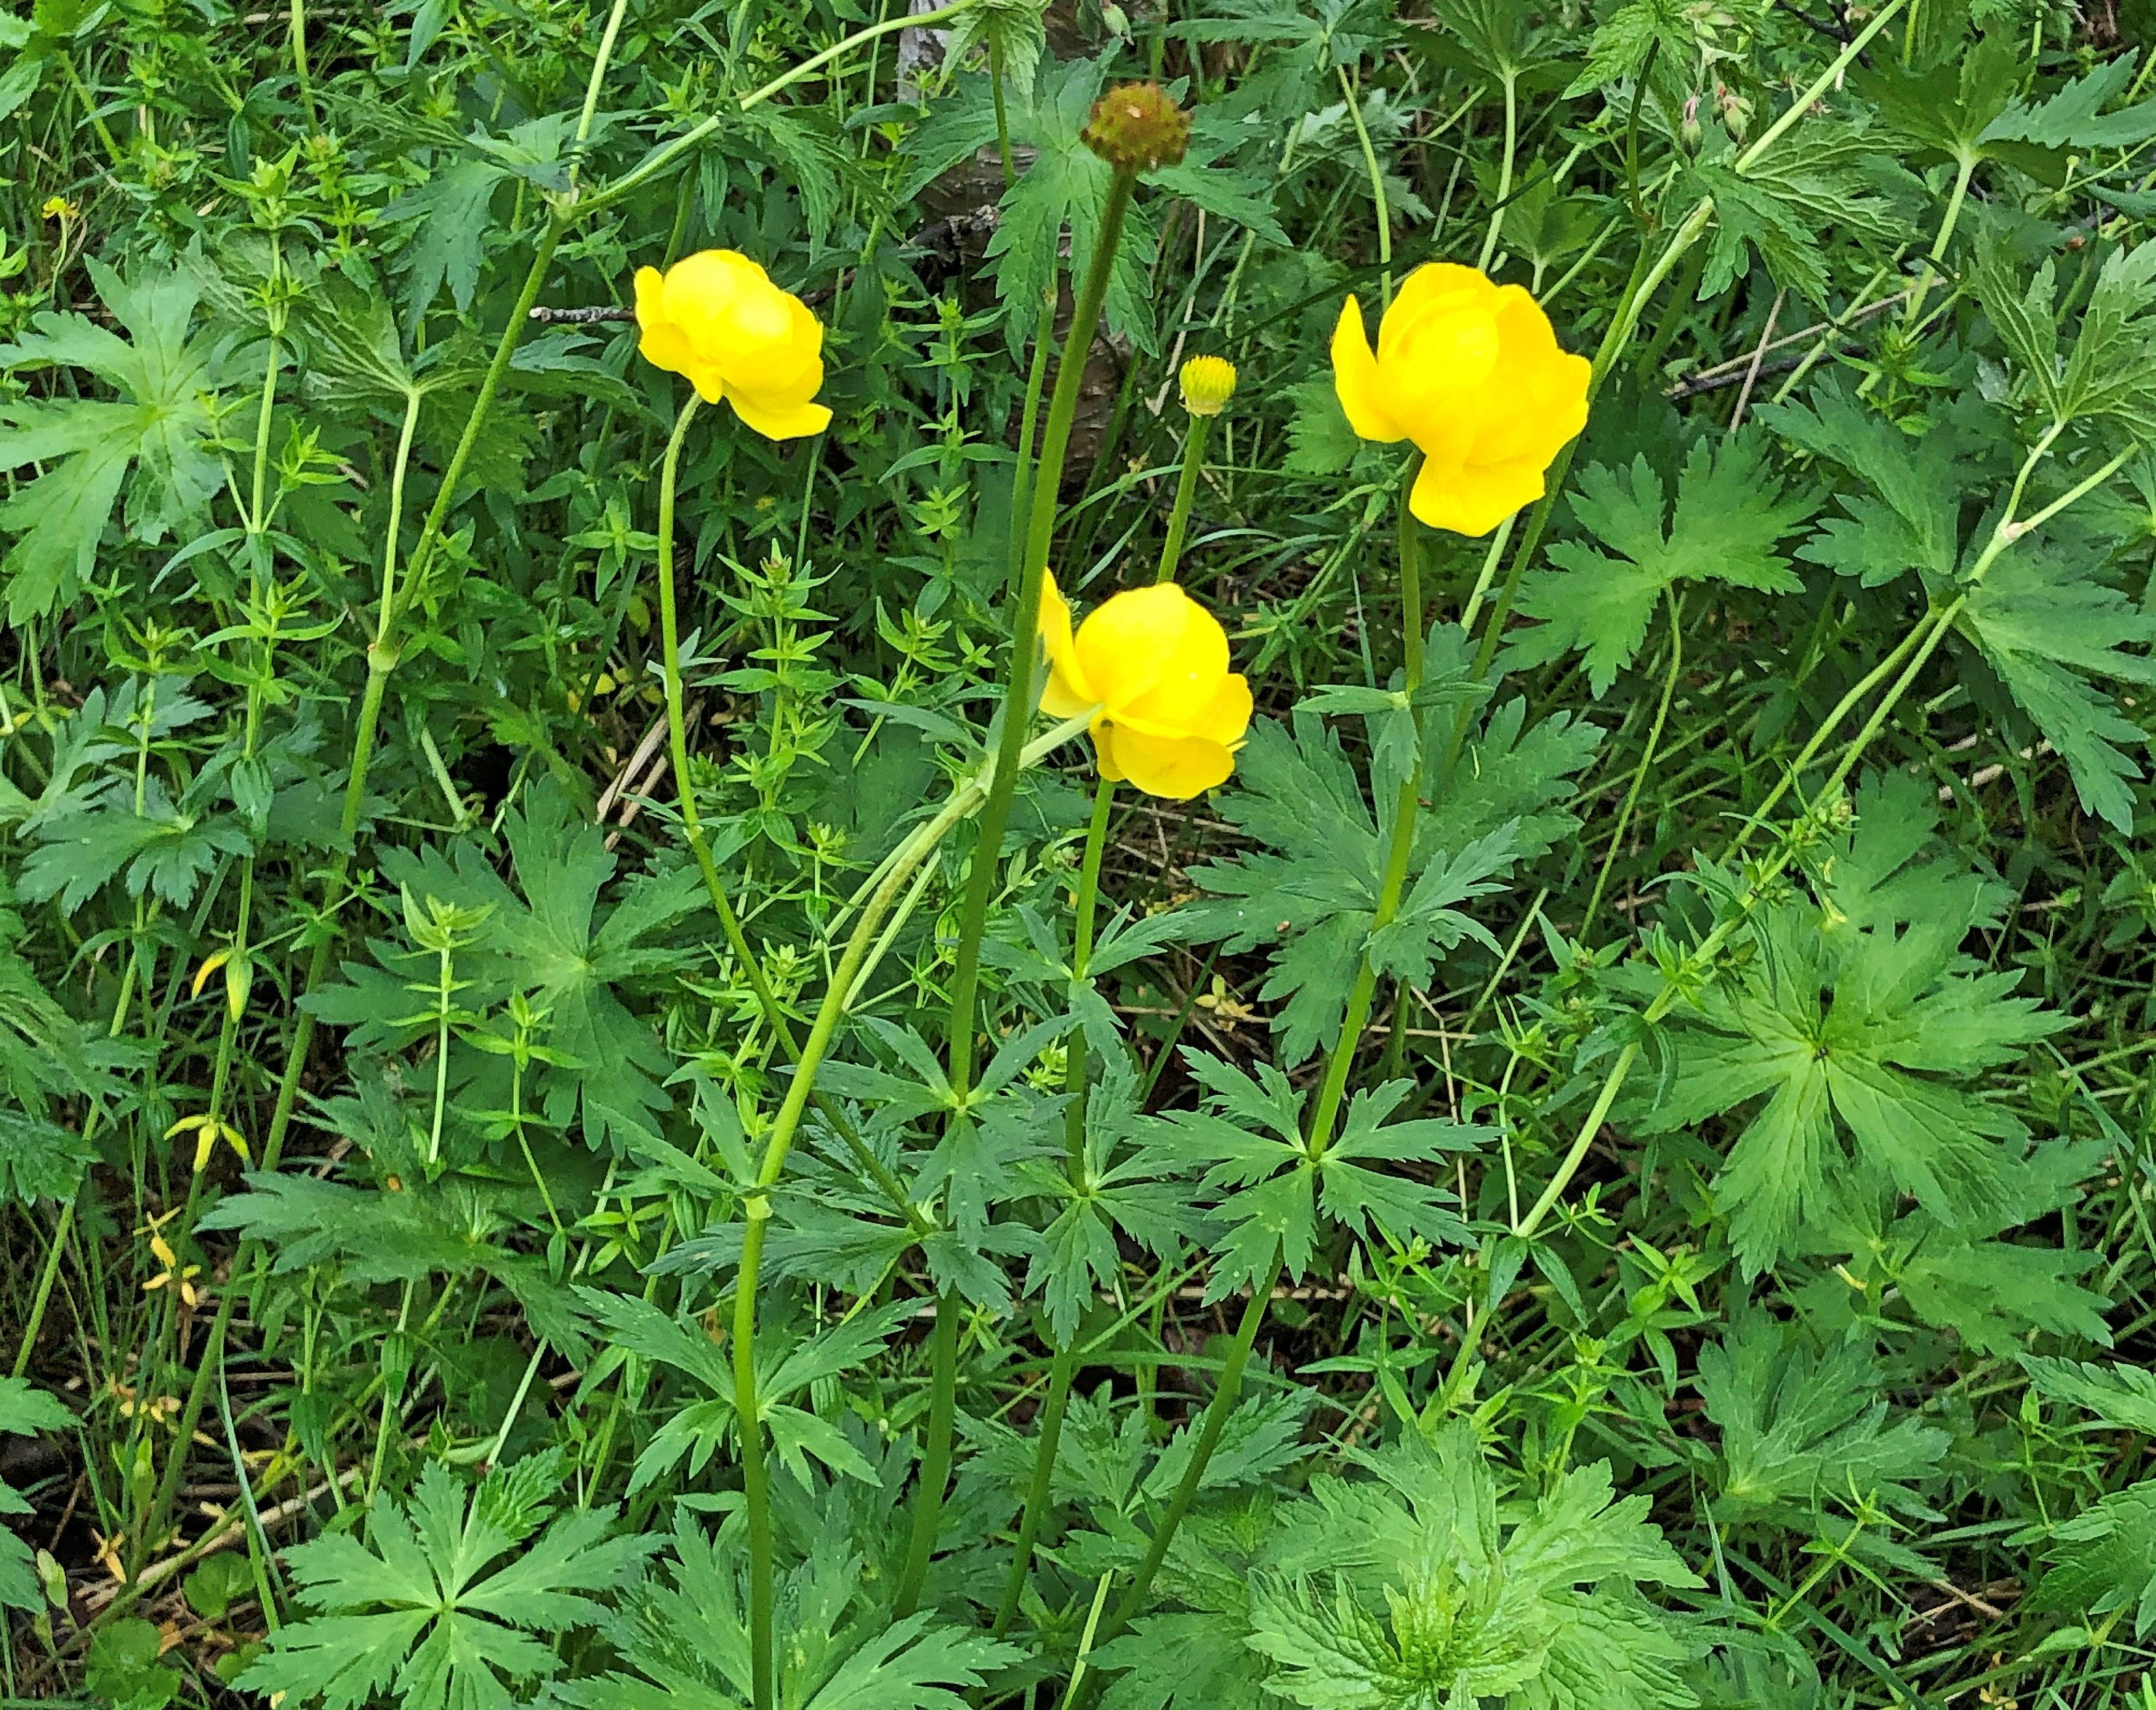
(1608,1169)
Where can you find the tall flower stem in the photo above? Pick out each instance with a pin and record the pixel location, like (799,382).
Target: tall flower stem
(1325,1111)
(1063,1367)
(1132,1604)
(700,846)
(1186,492)
(1036,381)
(756,1210)
(1018,703)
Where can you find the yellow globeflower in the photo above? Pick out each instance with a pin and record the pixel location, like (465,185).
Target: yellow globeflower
(1470,371)
(716,317)
(1208,383)
(1151,664)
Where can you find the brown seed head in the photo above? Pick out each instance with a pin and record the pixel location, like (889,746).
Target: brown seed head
(1135,127)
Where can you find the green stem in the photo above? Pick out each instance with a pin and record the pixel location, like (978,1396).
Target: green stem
(1036,379)
(1132,1604)
(1377,182)
(1018,703)
(1646,759)
(936,1455)
(1820,85)
(1933,627)
(300,64)
(1186,490)
(1002,112)
(1913,312)
(1040,1491)
(1019,696)
(784,1127)
(1504,170)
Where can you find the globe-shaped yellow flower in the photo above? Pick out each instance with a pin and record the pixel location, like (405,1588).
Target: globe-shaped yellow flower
(1151,665)
(716,317)
(1471,372)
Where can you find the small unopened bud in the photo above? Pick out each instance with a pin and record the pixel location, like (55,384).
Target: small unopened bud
(1688,132)
(1208,383)
(1136,128)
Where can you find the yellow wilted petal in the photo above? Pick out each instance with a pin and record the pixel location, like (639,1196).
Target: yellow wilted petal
(210,964)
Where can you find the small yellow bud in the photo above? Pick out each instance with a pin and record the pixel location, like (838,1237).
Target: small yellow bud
(59,207)
(1208,383)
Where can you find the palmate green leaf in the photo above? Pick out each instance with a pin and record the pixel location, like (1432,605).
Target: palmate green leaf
(1910,517)
(2111,370)
(1077,1254)
(449,214)
(414,1612)
(159,428)
(165,850)
(1308,891)
(1182,1662)
(1624,38)
(1944,112)
(2044,620)
(1786,207)
(1859,1027)
(2103,1561)
(1247,1139)
(2074,117)
(2122,1396)
(681,1639)
(1063,190)
(1808,1428)
(1725,525)
(554,943)
(1415,1589)
(1991,1293)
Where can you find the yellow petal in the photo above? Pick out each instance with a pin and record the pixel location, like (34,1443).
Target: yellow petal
(1104,752)
(779,420)
(1174,767)
(1355,378)
(1154,653)
(1473,499)
(701,288)
(1229,716)
(705,377)
(1068,692)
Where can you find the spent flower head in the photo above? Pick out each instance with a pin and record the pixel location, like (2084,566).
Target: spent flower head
(1137,127)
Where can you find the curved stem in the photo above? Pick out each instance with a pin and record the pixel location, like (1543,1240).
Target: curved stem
(1041,1490)
(1504,170)
(1646,759)
(1820,85)
(936,1455)
(784,1127)
(1019,696)
(1377,182)
(1036,381)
